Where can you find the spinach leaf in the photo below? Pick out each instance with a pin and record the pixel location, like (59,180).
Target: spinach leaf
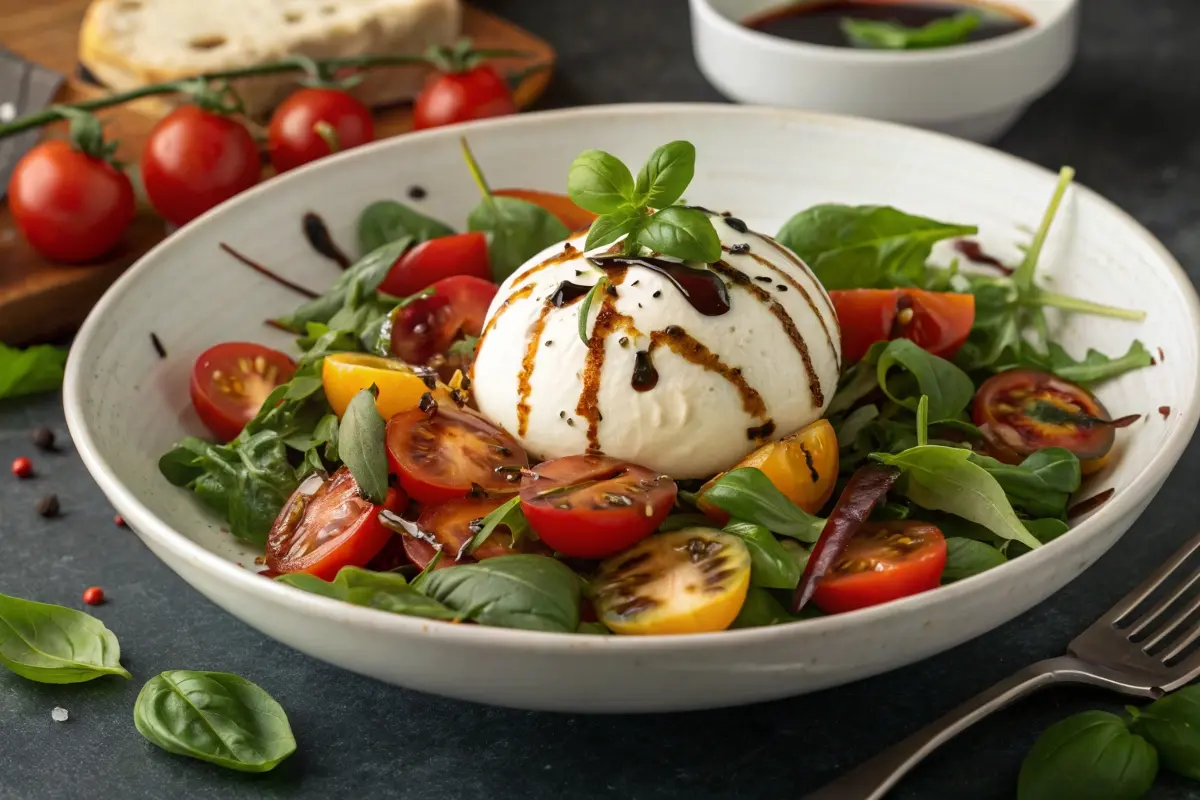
(885,35)
(949,388)
(54,644)
(1092,755)
(761,609)
(31,371)
(362,445)
(1041,485)
(386,221)
(945,479)
(517,231)
(684,233)
(362,279)
(216,717)
(771,566)
(508,515)
(386,591)
(967,557)
(599,182)
(519,591)
(1172,726)
(665,175)
(856,247)
(747,494)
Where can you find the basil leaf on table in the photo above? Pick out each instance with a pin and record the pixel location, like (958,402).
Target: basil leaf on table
(761,609)
(363,277)
(684,233)
(54,644)
(1172,726)
(519,591)
(599,182)
(1042,484)
(361,445)
(517,231)
(666,174)
(748,494)
(967,557)
(32,370)
(386,591)
(216,717)
(885,35)
(949,388)
(1091,755)
(386,221)
(771,566)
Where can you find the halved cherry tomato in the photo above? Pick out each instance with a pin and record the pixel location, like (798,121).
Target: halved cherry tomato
(1022,411)
(344,375)
(883,561)
(427,326)
(804,466)
(591,506)
(938,322)
(441,455)
(431,261)
(561,206)
(314,122)
(450,97)
(327,524)
(230,382)
(452,525)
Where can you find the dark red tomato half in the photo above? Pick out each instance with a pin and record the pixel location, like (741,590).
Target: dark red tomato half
(454,524)
(591,506)
(883,561)
(441,456)
(326,525)
(230,382)
(450,97)
(937,322)
(431,261)
(427,326)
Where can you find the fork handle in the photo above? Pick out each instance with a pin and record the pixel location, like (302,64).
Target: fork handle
(872,779)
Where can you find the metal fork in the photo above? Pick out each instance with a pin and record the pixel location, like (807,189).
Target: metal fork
(1142,654)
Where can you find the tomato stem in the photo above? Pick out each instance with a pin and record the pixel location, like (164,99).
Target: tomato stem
(1023,276)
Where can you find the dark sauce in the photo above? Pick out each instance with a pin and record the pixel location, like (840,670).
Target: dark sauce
(317,234)
(645,376)
(703,289)
(568,293)
(821,23)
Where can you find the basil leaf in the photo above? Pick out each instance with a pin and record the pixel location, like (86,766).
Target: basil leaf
(747,494)
(31,371)
(608,228)
(386,221)
(677,522)
(949,388)
(885,35)
(771,566)
(363,277)
(1092,755)
(517,231)
(1172,726)
(967,557)
(856,247)
(361,445)
(216,717)
(54,644)
(593,628)
(761,609)
(509,515)
(944,479)
(1042,484)
(683,233)
(386,591)
(599,182)
(666,174)
(857,384)
(519,591)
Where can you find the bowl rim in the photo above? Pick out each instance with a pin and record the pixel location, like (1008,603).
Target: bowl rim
(222,571)
(888,58)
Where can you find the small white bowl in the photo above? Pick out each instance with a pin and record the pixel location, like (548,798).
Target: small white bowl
(975,91)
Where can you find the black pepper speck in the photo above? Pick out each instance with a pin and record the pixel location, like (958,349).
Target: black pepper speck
(740,249)
(781,287)
(736,224)
(48,506)
(657,293)
(417,193)
(42,438)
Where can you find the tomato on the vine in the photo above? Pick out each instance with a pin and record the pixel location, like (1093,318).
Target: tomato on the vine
(937,322)
(195,159)
(70,206)
(314,122)
(883,561)
(230,382)
(436,259)
(427,326)
(450,97)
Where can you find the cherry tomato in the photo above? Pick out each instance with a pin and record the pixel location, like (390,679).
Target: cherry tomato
(442,455)
(293,137)
(1022,411)
(230,382)
(591,506)
(69,206)
(450,97)
(343,375)
(883,561)
(427,326)
(938,322)
(452,525)
(194,160)
(436,259)
(327,524)
(561,206)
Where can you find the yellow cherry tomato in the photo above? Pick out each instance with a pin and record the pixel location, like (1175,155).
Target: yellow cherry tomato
(344,375)
(692,580)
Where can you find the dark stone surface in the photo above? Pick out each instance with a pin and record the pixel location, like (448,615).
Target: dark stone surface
(1126,117)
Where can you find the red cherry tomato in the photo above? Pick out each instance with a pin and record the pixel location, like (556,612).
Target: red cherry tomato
(194,160)
(442,455)
(437,259)
(453,97)
(230,382)
(327,524)
(591,506)
(452,524)
(294,138)
(69,206)
(561,206)
(427,326)
(883,561)
(938,322)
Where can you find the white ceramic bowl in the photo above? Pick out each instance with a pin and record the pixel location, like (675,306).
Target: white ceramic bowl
(976,91)
(125,406)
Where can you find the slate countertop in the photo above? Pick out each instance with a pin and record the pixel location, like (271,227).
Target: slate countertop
(1127,117)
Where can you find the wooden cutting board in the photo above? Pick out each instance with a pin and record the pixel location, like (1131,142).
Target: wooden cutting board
(40,300)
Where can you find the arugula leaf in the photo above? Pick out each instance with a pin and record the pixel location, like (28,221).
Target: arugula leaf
(885,35)
(386,591)
(55,644)
(1041,485)
(1094,367)
(509,515)
(361,445)
(386,221)
(519,591)
(747,494)
(948,388)
(665,175)
(359,281)
(1172,726)
(599,182)
(31,371)
(761,609)
(967,557)
(683,233)
(771,566)
(1092,755)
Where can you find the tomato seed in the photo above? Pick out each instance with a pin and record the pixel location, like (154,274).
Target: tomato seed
(93,596)
(22,467)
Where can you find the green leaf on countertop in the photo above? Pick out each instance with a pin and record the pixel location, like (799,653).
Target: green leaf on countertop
(54,644)
(771,566)
(1172,726)
(1092,755)
(886,35)
(32,370)
(386,221)
(531,592)
(747,494)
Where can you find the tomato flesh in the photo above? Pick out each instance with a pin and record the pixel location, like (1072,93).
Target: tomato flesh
(443,454)
(427,326)
(938,322)
(453,97)
(453,525)
(592,506)
(1021,411)
(436,259)
(883,561)
(230,382)
(293,137)
(326,525)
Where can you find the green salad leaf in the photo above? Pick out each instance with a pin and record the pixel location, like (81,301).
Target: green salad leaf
(54,644)
(968,557)
(1172,726)
(32,370)
(519,591)
(747,494)
(1041,485)
(948,388)
(886,35)
(771,566)
(386,591)
(508,516)
(761,609)
(362,447)
(386,221)
(1092,755)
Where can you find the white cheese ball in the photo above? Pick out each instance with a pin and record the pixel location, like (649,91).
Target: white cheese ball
(726,383)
